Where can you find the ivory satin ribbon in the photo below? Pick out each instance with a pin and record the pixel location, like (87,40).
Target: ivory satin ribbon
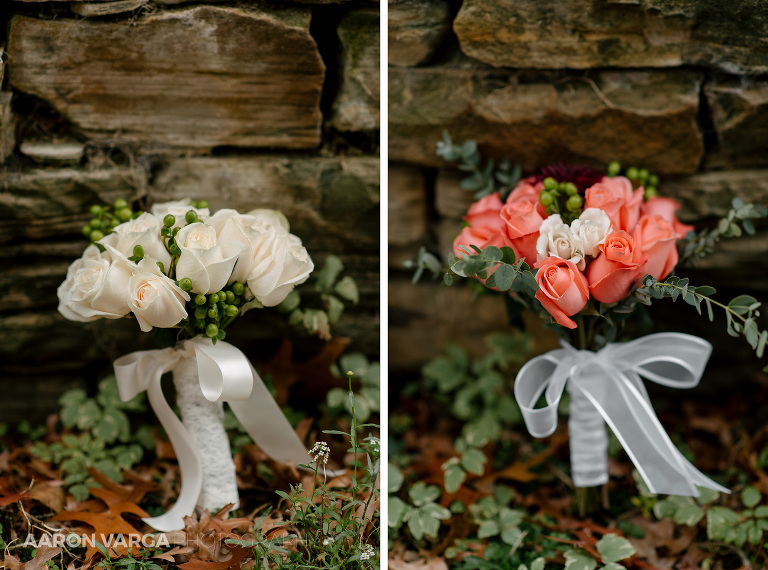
(225,375)
(610,380)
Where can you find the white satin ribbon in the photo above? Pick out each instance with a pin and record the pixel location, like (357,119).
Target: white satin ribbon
(610,380)
(225,375)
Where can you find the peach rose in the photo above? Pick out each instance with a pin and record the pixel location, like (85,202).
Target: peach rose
(563,289)
(485,212)
(612,274)
(658,239)
(616,198)
(666,208)
(528,190)
(522,227)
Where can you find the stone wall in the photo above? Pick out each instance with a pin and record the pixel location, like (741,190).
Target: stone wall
(679,87)
(246,104)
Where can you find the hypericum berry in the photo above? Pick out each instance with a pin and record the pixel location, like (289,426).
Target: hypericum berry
(651,192)
(96,235)
(200,299)
(614,168)
(643,174)
(138,251)
(232,311)
(124,214)
(87,231)
(633,173)
(546,198)
(201,313)
(120,204)
(211,330)
(186,284)
(238,288)
(169,220)
(213,299)
(571,189)
(202,204)
(653,180)
(175,250)
(191,217)
(213,312)
(95,223)
(230,297)
(574,202)
(96,210)
(550,183)
(174,231)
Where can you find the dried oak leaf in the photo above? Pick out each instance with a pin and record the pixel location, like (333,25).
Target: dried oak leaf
(133,493)
(238,554)
(43,555)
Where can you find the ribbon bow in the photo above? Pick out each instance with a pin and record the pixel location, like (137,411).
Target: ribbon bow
(225,375)
(610,380)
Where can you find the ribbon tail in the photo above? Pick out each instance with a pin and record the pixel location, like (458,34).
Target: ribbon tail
(144,370)
(694,475)
(189,462)
(264,421)
(545,374)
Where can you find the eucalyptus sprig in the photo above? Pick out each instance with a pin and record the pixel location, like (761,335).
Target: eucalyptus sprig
(741,312)
(739,220)
(497,266)
(484,179)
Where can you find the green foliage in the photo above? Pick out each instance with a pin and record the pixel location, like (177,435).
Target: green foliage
(141,560)
(315,306)
(741,312)
(366,400)
(336,522)
(485,178)
(476,390)
(494,518)
(424,260)
(739,220)
(101,436)
(508,275)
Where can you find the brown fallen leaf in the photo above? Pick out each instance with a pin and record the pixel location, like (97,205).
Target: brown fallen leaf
(431,563)
(43,555)
(49,493)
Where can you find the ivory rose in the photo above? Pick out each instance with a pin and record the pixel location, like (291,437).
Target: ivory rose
(205,260)
(179,209)
(486,212)
(522,222)
(154,299)
(96,287)
(617,199)
(658,239)
(592,227)
(143,231)
(284,265)
(666,208)
(563,289)
(612,274)
(557,240)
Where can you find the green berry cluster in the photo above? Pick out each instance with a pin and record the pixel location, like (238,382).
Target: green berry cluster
(639,176)
(561,198)
(210,314)
(106,218)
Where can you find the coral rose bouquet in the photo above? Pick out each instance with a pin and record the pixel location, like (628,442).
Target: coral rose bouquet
(189,273)
(584,248)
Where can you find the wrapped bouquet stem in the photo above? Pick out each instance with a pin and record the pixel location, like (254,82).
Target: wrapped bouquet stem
(179,269)
(585,249)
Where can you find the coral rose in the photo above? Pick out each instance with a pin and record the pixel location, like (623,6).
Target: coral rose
(658,239)
(486,212)
(528,190)
(612,274)
(522,227)
(616,198)
(666,208)
(563,289)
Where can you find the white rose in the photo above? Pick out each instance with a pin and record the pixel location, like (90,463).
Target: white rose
(179,209)
(143,231)
(204,259)
(556,239)
(95,287)
(260,232)
(156,301)
(592,227)
(288,266)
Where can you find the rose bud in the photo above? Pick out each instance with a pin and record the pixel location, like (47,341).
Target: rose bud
(612,274)
(563,289)
(522,221)
(658,239)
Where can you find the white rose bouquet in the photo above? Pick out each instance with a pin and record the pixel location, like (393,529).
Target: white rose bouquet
(179,268)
